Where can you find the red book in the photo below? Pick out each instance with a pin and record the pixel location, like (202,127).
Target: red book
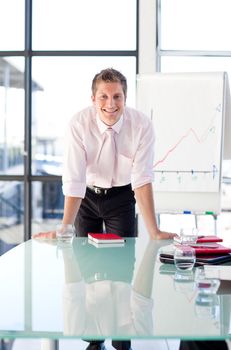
(207,239)
(105,238)
(106,245)
(214,248)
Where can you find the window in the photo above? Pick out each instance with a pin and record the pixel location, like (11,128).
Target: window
(49,53)
(12,115)
(195,25)
(193,35)
(84,25)
(12,24)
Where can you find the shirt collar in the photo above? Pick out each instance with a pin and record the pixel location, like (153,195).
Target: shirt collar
(103,127)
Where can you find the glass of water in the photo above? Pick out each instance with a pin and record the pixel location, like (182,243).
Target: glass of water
(64,232)
(184,257)
(188,235)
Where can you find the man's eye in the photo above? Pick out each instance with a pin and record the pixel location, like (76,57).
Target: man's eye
(103,97)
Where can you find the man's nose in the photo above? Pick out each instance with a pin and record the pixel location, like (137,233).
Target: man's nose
(110,102)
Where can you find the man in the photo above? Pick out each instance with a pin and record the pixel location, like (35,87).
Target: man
(109,197)
(108,166)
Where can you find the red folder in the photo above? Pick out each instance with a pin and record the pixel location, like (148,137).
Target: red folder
(207,239)
(214,248)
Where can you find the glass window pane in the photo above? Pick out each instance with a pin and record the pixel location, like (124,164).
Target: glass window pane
(11,214)
(196,64)
(47,205)
(65,88)
(195,25)
(11,115)
(12,24)
(84,25)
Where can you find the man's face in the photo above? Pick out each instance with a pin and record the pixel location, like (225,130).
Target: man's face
(109,101)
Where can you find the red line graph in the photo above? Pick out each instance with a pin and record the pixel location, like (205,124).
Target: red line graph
(177,144)
(211,128)
(190,131)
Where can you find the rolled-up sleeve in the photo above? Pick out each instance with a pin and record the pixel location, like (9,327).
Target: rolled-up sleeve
(142,170)
(74,162)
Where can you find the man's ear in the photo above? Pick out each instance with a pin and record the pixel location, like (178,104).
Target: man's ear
(93,98)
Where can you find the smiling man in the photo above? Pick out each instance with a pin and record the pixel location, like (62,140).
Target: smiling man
(109,99)
(108,166)
(109,162)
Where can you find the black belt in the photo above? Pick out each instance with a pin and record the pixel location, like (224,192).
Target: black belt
(104,191)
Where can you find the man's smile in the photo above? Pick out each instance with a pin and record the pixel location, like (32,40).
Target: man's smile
(109,111)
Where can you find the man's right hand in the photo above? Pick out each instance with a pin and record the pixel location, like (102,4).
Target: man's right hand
(45,235)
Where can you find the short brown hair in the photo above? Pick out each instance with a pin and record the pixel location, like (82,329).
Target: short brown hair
(109,75)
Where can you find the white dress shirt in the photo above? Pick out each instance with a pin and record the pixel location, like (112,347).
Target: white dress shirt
(134,139)
(104,308)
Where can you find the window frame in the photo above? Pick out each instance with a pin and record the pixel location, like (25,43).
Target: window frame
(191,53)
(28,178)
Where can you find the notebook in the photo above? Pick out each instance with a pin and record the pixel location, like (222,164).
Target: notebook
(210,248)
(105,238)
(206,239)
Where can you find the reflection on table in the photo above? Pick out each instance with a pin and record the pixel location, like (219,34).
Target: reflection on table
(51,290)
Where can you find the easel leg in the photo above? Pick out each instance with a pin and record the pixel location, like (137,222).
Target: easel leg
(215,224)
(196,220)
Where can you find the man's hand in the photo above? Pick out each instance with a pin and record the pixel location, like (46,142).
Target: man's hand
(45,235)
(71,208)
(164,235)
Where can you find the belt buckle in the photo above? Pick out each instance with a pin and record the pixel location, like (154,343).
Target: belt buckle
(97,190)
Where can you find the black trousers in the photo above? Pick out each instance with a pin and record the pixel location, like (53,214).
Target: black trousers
(111,212)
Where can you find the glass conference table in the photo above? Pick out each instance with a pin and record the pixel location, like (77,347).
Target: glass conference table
(54,291)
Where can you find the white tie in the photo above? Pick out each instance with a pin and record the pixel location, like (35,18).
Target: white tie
(106,163)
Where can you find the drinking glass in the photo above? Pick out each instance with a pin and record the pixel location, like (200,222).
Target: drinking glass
(184,257)
(188,235)
(64,232)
